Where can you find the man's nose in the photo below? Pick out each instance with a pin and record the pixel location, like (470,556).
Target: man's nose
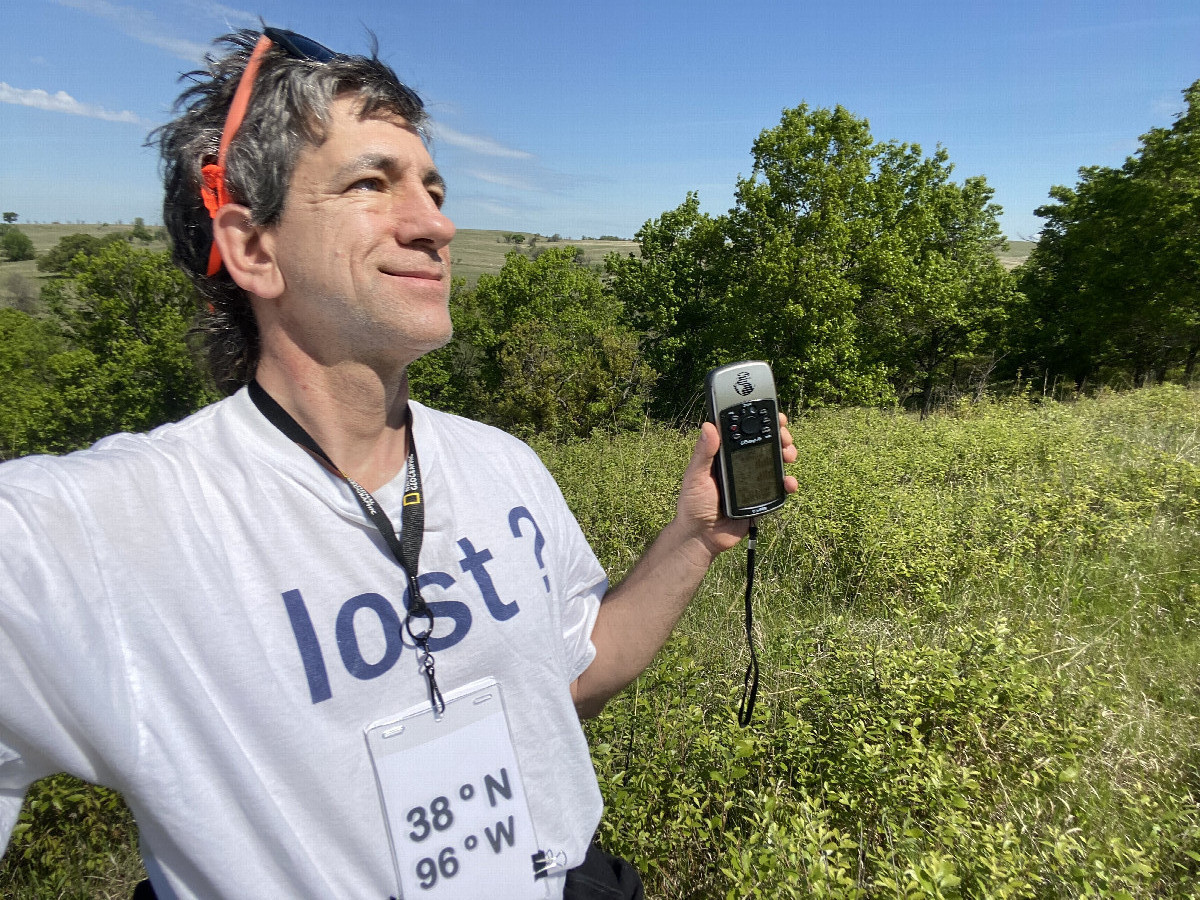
(421,220)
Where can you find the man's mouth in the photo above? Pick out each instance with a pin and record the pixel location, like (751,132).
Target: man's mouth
(423,274)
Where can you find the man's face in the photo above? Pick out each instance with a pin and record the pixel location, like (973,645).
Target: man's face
(363,247)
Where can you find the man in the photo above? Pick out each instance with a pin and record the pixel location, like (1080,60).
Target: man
(219,620)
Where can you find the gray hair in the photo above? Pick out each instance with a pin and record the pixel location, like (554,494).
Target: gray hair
(289,109)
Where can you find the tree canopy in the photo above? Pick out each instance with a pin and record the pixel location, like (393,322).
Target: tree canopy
(16,245)
(541,347)
(857,267)
(1114,283)
(60,257)
(112,356)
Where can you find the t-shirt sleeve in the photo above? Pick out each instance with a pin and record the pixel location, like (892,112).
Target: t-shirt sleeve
(16,775)
(583,585)
(63,690)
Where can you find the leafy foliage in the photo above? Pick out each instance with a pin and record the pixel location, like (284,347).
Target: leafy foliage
(1113,282)
(858,268)
(27,400)
(16,245)
(113,357)
(540,348)
(74,840)
(958,617)
(60,257)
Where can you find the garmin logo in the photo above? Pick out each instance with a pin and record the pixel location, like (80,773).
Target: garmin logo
(743,385)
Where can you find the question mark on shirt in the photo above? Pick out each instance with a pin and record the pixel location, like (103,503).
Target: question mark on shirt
(514,522)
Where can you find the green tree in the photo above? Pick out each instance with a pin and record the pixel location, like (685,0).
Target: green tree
(59,257)
(1113,285)
(27,402)
(16,245)
(674,295)
(541,347)
(10,218)
(140,232)
(124,364)
(859,269)
(931,289)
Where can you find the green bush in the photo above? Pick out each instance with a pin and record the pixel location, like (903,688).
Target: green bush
(978,637)
(978,664)
(62,256)
(74,840)
(16,245)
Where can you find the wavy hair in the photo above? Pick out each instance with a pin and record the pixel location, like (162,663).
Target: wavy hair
(288,110)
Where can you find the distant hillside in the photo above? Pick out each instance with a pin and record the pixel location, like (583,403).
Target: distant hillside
(1017,253)
(473,253)
(20,282)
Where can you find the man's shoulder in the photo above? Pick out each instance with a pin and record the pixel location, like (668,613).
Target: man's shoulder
(479,455)
(123,457)
(463,433)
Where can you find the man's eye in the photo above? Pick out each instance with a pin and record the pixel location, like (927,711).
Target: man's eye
(367,184)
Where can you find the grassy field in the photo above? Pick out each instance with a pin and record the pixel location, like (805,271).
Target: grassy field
(1017,253)
(979,649)
(980,656)
(472,254)
(20,282)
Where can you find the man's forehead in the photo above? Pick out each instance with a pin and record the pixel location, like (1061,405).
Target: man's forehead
(348,116)
(351,106)
(354,143)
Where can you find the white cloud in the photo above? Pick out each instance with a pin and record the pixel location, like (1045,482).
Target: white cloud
(227,14)
(508,181)
(481,145)
(64,103)
(496,209)
(139,25)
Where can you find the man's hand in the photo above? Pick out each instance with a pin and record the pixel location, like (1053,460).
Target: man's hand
(699,505)
(637,616)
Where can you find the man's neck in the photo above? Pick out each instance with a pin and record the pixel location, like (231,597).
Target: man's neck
(358,418)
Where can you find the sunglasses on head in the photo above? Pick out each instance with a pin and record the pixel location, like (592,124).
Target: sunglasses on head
(214,190)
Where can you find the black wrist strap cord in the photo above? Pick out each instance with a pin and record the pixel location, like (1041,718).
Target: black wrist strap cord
(750,682)
(406,549)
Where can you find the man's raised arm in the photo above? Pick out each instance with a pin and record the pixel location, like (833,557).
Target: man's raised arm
(638,615)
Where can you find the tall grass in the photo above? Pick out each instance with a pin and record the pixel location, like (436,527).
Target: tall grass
(980,661)
(978,641)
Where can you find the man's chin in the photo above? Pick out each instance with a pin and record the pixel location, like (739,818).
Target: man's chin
(436,341)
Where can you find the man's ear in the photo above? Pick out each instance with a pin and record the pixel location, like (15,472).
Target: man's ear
(247,251)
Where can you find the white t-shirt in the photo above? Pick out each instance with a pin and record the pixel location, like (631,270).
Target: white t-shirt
(202,618)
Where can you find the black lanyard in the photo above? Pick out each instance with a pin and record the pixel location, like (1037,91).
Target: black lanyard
(406,549)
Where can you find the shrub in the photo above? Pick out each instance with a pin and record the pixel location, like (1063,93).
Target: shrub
(978,643)
(16,245)
(73,840)
(62,255)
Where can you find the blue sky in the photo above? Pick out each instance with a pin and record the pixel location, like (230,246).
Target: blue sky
(589,119)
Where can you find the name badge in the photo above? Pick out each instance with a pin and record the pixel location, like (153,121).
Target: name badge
(454,802)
